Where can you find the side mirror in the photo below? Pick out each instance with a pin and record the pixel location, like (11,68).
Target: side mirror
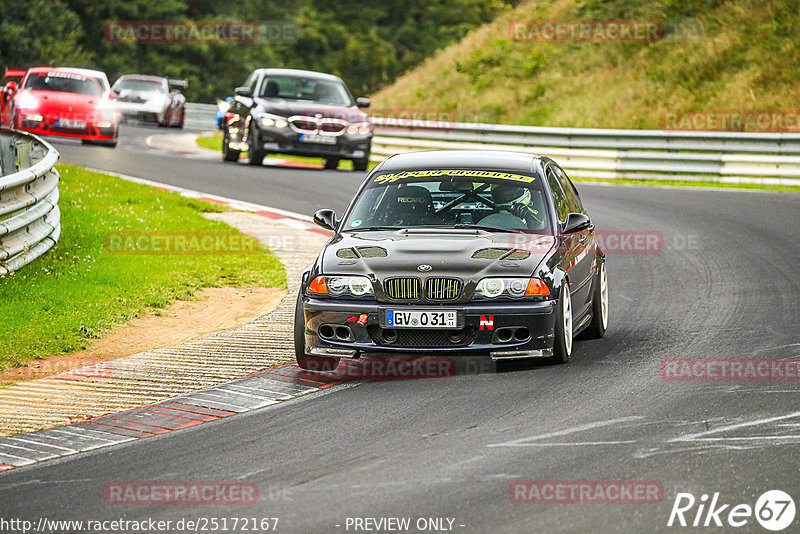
(576,222)
(112,95)
(326,219)
(243,91)
(9,90)
(362,102)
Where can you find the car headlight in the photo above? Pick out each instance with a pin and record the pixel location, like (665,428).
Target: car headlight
(491,288)
(269,120)
(359,128)
(27,101)
(341,286)
(158,100)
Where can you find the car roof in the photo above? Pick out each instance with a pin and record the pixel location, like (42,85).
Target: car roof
(463,159)
(143,77)
(298,72)
(85,72)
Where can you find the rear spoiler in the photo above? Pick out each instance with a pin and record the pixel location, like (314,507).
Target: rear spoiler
(183,84)
(15,73)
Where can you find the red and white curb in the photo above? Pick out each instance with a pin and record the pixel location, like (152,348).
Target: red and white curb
(251,392)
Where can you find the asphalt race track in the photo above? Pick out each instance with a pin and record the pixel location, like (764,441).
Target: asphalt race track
(725,283)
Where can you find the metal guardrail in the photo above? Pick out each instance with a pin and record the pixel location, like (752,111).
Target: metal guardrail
(200,116)
(766,158)
(735,157)
(30,221)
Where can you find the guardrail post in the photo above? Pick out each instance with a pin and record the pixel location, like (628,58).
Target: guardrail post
(8,160)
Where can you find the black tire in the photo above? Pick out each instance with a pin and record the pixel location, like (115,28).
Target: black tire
(228,154)
(167,118)
(597,328)
(256,153)
(304,361)
(109,144)
(360,164)
(562,344)
(331,163)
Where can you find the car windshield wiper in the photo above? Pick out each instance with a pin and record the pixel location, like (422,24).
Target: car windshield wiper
(480,227)
(369,228)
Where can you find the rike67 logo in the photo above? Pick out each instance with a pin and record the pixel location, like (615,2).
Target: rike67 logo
(774,510)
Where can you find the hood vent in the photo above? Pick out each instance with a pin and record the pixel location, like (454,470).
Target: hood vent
(348,253)
(362,252)
(372,252)
(501,254)
(517,255)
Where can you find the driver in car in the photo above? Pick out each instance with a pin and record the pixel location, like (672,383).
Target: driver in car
(513,200)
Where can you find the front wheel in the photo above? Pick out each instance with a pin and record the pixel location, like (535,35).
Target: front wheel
(256,153)
(110,144)
(228,154)
(360,164)
(167,119)
(304,361)
(181,119)
(597,328)
(332,163)
(562,345)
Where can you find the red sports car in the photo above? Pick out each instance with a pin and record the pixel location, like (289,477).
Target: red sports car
(65,102)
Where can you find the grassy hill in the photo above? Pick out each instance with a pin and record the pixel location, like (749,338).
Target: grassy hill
(715,55)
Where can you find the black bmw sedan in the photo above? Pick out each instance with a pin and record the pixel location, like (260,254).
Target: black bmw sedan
(297,112)
(455,252)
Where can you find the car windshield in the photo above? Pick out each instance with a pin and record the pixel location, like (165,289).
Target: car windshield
(139,86)
(298,88)
(454,198)
(65,82)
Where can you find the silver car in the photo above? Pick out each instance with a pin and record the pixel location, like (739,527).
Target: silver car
(151,99)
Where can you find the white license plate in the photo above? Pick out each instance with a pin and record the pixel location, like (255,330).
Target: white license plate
(68,123)
(318,138)
(421,319)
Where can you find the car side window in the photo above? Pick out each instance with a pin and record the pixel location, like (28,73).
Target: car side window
(573,199)
(253,83)
(559,198)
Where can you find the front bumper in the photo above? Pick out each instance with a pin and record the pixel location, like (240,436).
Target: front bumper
(98,130)
(287,141)
(141,112)
(503,330)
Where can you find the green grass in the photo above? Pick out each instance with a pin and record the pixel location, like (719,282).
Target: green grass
(79,291)
(211,142)
(745,56)
(214,142)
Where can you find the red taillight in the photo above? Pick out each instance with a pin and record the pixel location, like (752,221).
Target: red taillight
(537,288)
(318,285)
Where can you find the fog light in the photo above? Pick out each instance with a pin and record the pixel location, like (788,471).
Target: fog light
(34,118)
(104,124)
